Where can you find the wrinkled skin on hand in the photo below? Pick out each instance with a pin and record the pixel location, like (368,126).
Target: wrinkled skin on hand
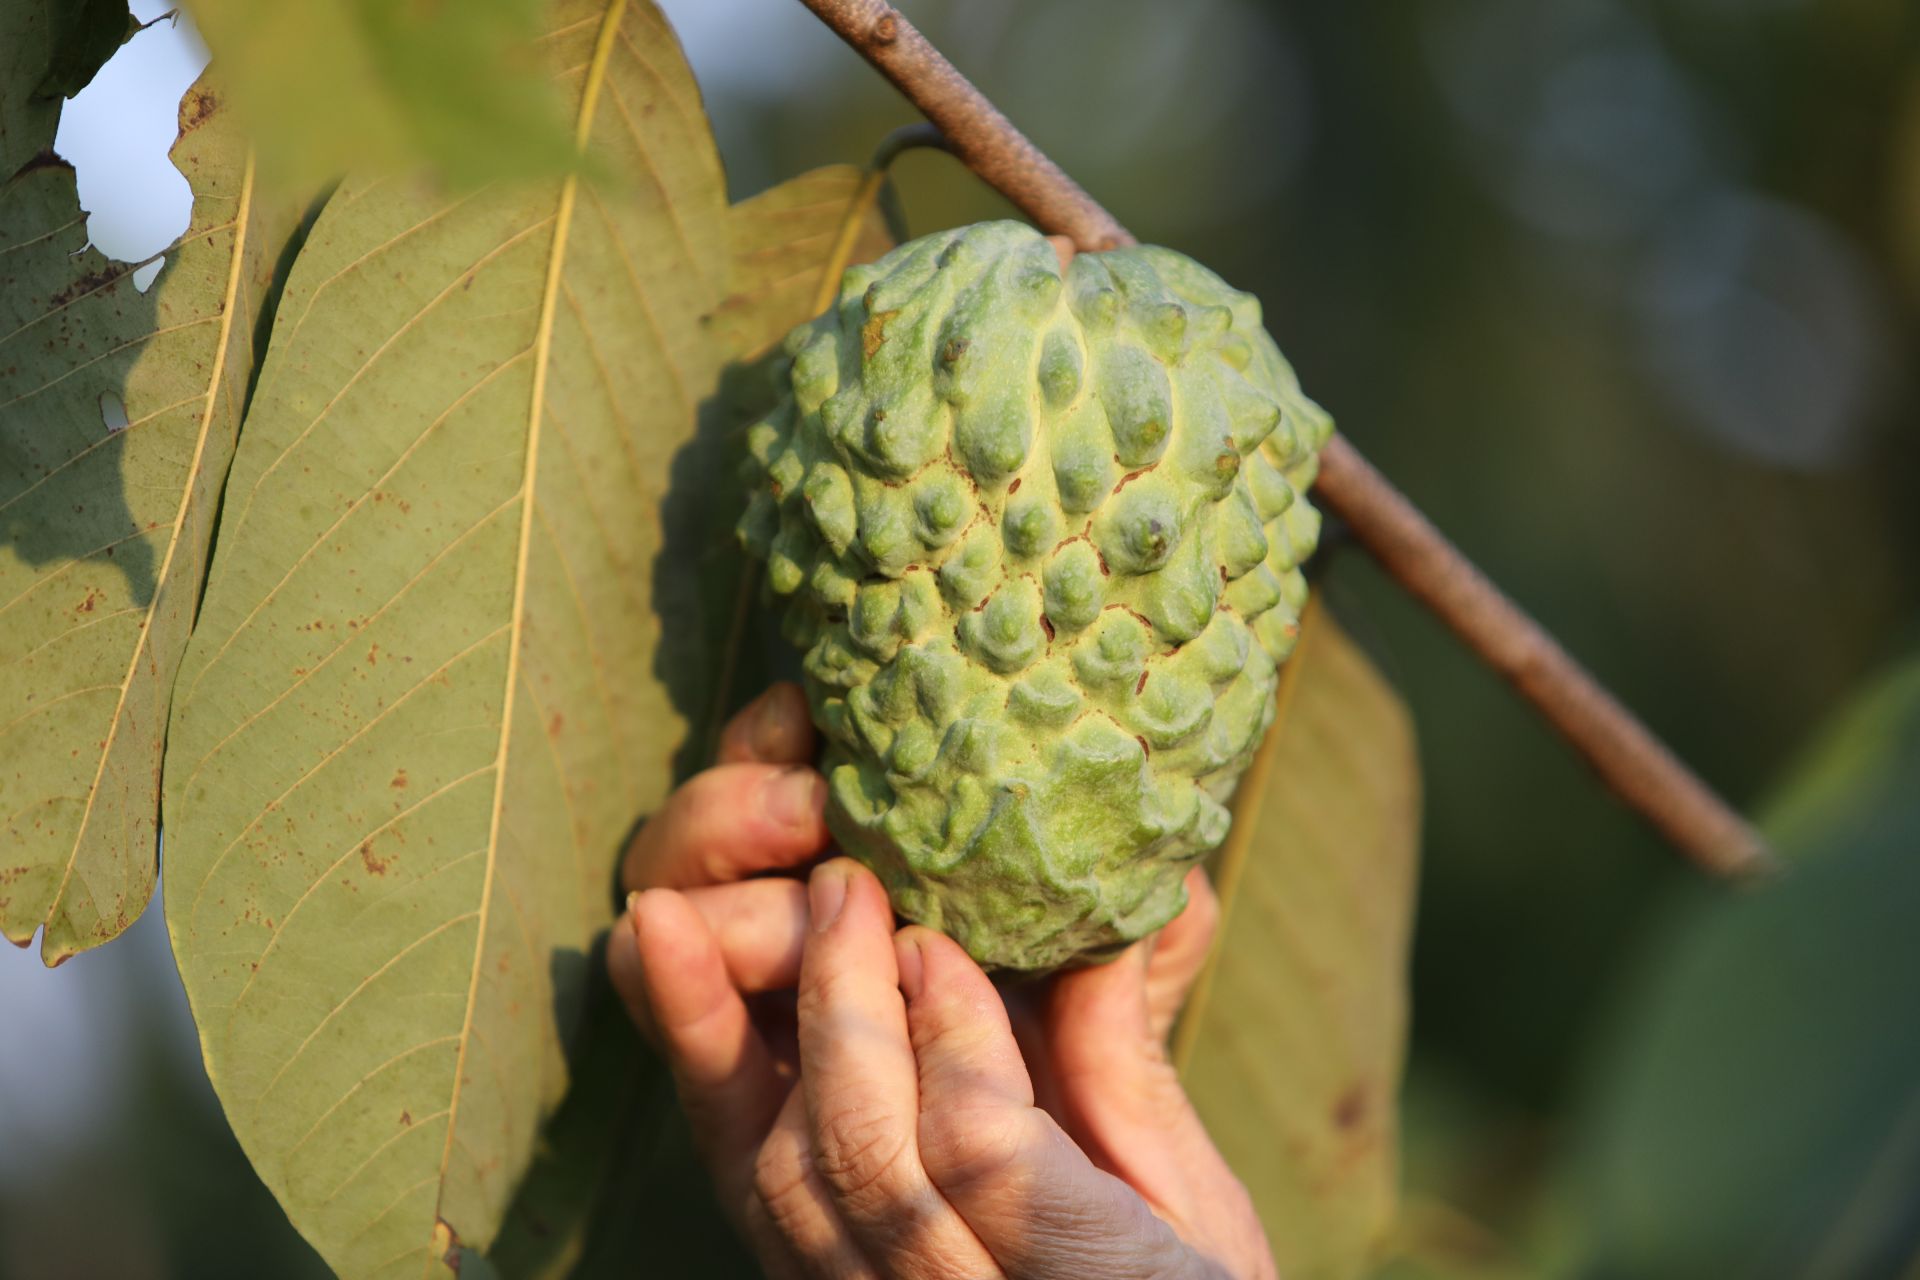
(898,1115)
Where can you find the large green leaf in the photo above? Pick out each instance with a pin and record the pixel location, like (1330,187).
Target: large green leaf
(50,49)
(332,84)
(1292,1046)
(118,413)
(455,636)
(1760,1114)
(91,30)
(615,1174)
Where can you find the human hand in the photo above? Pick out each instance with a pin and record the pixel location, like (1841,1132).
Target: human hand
(911,1145)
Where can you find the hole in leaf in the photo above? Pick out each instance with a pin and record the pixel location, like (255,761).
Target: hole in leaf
(117,131)
(143,276)
(113,411)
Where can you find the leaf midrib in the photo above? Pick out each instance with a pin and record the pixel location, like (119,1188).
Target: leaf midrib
(543,343)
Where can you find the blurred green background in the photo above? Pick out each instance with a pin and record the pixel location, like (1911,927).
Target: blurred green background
(1624,294)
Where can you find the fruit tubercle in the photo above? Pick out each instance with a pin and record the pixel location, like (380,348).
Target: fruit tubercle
(1041,536)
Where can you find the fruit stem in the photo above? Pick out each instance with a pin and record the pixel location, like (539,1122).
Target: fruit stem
(1625,754)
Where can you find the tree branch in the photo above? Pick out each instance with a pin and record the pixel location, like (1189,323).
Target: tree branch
(1628,758)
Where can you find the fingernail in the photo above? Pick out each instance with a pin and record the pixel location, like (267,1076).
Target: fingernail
(770,729)
(907,952)
(628,974)
(633,907)
(826,894)
(794,798)
(623,953)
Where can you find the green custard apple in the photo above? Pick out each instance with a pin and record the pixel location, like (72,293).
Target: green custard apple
(1041,537)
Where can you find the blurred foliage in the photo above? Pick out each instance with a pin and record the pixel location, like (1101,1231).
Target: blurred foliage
(1626,294)
(1763,1116)
(159,1188)
(462,85)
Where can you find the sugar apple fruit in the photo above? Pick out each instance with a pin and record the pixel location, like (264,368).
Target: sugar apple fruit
(1042,536)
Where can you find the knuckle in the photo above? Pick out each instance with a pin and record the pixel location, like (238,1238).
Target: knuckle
(780,1182)
(832,988)
(862,1155)
(962,1148)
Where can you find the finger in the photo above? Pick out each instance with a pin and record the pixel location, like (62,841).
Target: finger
(760,925)
(1121,1100)
(624,968)
(1110,1066)
(1029,1194)
(774,728)
(728,823)
(725,1079)
(863,1099)
(791,1209)
(1180,952)
(958,1024)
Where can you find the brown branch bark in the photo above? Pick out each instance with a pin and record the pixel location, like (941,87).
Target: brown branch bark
(1626,755)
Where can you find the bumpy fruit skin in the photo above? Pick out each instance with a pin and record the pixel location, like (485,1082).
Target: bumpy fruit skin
(1042,539)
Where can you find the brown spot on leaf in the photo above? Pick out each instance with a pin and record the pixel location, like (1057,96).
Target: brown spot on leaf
(375,865)
(399,780)
(1142,683)
(406,1119)
(1351,1108)
(447,1242)
(196,108)
(85,284)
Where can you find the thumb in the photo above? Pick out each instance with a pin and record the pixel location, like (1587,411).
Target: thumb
(1180,951)
(1122,1100)
(1030,1195)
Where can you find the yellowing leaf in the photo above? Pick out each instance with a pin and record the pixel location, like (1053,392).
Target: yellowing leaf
(118,412)
(1292,1046)
(421,709)
(791,243)
(618,1145)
